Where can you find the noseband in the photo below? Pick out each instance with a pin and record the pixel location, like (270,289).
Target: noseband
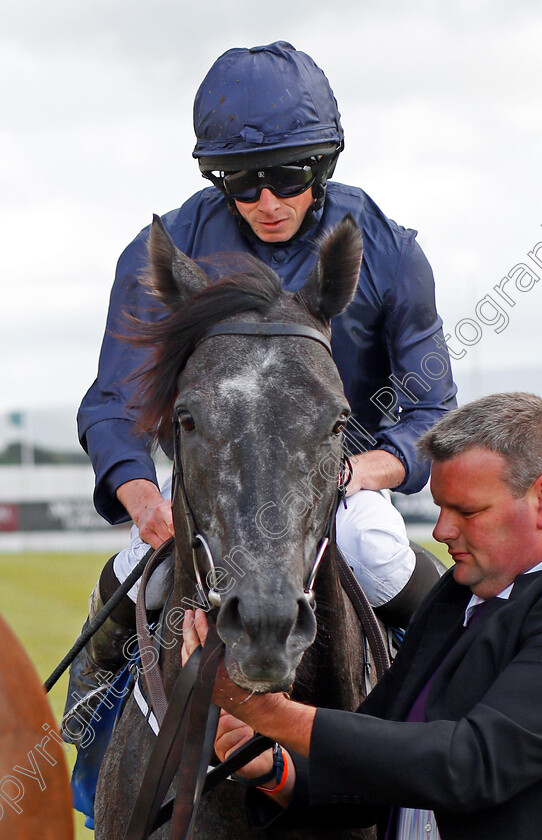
(258,329)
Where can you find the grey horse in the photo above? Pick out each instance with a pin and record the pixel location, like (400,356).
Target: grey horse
(261,421)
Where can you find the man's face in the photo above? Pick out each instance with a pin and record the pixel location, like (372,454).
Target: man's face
(275,219)
(491,535)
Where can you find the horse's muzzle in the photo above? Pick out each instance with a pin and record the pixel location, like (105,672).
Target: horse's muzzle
(265,641)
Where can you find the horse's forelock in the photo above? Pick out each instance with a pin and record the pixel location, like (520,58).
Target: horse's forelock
(252,287)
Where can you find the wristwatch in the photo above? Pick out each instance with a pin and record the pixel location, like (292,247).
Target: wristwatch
(275,773)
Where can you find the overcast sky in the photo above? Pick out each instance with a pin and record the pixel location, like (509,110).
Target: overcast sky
(442,109)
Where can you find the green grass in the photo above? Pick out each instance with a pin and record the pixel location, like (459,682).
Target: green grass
(44,599)
(438,550)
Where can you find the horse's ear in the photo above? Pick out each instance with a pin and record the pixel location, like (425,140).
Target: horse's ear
(332,283)
(173,277)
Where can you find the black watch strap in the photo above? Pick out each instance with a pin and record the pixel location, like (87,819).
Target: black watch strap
(274,773)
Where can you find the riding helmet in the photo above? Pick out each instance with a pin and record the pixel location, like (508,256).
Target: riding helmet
(266,106)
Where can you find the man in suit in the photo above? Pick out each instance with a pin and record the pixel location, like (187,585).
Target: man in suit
(449,743)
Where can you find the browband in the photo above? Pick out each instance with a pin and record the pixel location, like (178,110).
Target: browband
(265,328)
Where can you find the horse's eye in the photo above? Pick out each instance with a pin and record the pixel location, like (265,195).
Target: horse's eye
(340,425)
(186,421)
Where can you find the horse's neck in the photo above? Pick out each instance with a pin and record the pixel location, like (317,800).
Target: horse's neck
(331,673)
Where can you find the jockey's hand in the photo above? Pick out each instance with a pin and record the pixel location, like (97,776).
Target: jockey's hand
(375,470)
(148,510)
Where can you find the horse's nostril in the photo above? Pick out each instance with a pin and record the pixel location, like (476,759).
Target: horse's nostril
(306,621)
(266,641)
(275,625)
(229,619)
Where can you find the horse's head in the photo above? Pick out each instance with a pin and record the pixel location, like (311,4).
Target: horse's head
(260,419)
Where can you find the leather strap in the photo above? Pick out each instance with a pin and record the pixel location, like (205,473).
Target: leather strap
(147,644)
(187,733)
(365,614)
(179,743)
(99,619)
(165,755)
(262,328)
(243,755)
(199,740)
(188,723)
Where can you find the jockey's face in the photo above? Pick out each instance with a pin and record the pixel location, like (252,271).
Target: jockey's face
(275,219)
(492,535)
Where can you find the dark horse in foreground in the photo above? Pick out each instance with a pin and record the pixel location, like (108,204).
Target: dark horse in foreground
(260,421)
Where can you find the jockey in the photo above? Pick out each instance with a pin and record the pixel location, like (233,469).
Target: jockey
(268,137)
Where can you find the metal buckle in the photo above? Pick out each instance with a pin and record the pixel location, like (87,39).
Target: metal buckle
(213,595)
(309,591)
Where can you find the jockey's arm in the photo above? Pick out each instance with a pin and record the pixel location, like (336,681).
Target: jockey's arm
(148,510)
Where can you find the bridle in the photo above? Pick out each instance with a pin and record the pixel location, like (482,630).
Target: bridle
(213,595)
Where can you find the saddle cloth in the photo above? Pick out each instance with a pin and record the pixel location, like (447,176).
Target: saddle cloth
(91,752)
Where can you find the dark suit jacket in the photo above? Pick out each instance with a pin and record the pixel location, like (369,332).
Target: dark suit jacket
(477,761)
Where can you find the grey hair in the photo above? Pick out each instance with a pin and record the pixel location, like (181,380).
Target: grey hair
(509,424)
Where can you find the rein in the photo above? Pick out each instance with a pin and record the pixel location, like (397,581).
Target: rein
(188,721)
(184,744)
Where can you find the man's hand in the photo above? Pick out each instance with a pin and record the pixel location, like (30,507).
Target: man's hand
(375,470)
(148,510)
(274,715)
(231,734)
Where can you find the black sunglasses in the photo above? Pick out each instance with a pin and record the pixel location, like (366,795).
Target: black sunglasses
(285,181)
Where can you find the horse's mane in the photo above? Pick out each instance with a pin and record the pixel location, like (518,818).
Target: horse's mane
(251,287)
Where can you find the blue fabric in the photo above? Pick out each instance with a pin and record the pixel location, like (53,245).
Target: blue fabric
(263,98)
(90,757)
(391,329)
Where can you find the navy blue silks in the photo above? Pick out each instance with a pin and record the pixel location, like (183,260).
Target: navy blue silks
(91,752)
